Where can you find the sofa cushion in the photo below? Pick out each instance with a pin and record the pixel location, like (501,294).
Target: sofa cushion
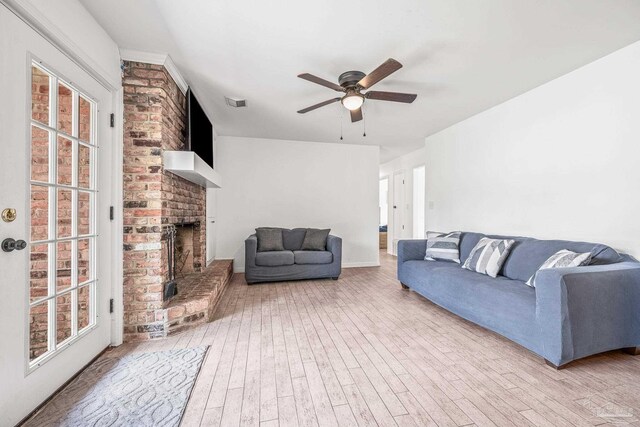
(445,247)
(292,239)
(274,258)
(269,239)
(527,255)
(313,257)
(488,256)
(562,259)
(315,239)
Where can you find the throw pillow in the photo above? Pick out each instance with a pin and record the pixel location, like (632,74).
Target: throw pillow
(292,239)
(432,234)
(444,247)
(562,258)
(488,256)
(269,239)
(315,240)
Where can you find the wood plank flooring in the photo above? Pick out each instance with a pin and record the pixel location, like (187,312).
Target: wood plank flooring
(361,351)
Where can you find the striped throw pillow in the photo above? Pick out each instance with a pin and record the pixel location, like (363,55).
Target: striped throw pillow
(445,247)
(488,256)
(562,258)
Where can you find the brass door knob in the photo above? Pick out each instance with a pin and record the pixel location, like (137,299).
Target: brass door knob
(8,214)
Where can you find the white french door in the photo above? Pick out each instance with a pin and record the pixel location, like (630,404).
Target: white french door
(56,162)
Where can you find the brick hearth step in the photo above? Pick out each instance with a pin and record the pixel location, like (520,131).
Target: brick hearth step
(198,294)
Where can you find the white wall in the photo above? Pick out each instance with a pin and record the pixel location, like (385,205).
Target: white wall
(402,168)
(298,184)
(561,161)
(71,24)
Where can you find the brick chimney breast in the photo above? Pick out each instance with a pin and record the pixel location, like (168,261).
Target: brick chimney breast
(154,120)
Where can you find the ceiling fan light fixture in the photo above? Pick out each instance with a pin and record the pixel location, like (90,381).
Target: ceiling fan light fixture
(351,83)
(352,101)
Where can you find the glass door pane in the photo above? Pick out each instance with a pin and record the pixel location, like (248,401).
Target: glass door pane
(62,226)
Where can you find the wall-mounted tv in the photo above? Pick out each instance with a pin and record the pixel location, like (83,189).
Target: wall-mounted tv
(199,130)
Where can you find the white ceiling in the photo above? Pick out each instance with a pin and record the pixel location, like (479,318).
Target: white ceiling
(460,56)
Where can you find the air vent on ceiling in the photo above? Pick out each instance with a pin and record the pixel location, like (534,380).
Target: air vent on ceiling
(237,103)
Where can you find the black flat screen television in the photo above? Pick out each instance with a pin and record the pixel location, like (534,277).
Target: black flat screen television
(199,130)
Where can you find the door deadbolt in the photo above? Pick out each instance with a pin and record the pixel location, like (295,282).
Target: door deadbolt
(9,245)
(8,215)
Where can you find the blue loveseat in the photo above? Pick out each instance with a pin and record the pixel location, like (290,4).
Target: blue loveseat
(570,314)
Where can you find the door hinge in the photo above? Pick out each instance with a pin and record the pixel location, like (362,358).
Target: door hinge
(112,120)
(111,305)
(111,213)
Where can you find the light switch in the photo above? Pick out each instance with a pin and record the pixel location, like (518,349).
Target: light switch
(432,204)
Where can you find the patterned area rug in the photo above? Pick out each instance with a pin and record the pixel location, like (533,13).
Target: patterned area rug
(146,389)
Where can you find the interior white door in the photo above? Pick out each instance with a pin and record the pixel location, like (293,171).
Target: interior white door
(398,208)
(56,167)
(418,193)
(211,224)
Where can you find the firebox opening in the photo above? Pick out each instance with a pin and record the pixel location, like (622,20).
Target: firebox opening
(180,245)
(184,249)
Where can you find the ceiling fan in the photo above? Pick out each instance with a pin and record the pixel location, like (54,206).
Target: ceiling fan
(353,82)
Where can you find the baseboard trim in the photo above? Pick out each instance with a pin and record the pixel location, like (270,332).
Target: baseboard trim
(360,264)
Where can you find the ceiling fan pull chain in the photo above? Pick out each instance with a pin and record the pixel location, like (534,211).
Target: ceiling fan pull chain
(341,120)
(364,125)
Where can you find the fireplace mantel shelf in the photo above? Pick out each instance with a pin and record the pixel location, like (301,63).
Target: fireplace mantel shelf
(191,167)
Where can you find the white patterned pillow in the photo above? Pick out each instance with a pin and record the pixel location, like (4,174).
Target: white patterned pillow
(488,256)
(444,247)
(432,234)
(562,258)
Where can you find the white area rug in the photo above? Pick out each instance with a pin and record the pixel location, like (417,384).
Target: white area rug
(145,389)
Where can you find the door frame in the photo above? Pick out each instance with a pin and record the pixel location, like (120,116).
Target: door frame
(413,202)
(389,183)
(43,26)
(399,208)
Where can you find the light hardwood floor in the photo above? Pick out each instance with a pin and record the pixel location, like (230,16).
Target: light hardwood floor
(363,351)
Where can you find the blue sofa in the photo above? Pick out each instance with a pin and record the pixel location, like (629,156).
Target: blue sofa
(570,314)
(292,263)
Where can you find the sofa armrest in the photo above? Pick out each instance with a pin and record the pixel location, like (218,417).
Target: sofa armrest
(334,245)
(587,310)
(250,250)
(411,250)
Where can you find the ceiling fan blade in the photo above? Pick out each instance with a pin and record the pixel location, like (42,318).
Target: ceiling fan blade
(391,96)
(356,115)
(384,70)
(322,82)
(321,104)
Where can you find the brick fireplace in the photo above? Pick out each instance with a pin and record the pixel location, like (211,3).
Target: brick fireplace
(154,199)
